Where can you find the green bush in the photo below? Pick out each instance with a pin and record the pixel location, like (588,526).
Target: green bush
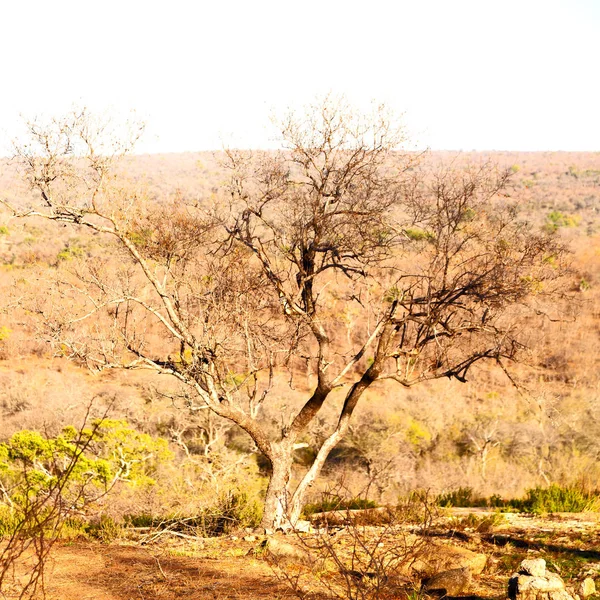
(72,469)
(537,500)
(560,499)
(69,253)
(557,219)
(418,235)
(233,510)
(105,529)
(46,483)
(462,497)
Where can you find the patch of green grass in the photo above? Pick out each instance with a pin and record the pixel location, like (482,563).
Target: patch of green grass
(193,552)
(509,563)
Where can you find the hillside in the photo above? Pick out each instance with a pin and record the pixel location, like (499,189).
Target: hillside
(486,434)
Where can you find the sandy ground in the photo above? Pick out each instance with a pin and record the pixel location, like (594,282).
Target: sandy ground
(227,568)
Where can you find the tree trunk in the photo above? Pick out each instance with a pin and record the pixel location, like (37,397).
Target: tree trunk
(276,508)
(281,509)
(297,502)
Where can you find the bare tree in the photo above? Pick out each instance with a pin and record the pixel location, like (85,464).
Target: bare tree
(435,268)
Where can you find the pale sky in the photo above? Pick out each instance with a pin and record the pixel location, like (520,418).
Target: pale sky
(467,74)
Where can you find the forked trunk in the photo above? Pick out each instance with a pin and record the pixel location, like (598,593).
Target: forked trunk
(283,509)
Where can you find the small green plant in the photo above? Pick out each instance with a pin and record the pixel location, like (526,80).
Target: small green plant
(4,230)
(584,285)
(4,333)
(8,521)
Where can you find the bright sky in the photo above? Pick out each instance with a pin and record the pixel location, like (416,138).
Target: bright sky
(468,74)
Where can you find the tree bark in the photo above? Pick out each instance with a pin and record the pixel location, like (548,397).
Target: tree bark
(276,507)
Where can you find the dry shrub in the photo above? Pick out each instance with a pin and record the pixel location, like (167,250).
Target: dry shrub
(360,561)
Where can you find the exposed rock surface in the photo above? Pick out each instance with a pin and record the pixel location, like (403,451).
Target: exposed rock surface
(453,582)
(534,582)
(437,557)
(536,567)
(281,550)
(587,587)
(304,526)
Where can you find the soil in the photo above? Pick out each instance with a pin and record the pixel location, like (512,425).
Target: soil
(228,567)
(118,571)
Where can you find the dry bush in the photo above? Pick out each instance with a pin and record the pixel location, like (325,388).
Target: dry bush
(360,561)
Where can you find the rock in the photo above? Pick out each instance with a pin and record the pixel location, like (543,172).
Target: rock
(279,550)
(435,558)
(592,569)
(550,582)
(587,587)
(249,538)
(303,526)
(525,586)
(536,567)
(448,583)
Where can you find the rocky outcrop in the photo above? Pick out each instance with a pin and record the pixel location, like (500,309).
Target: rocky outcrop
(534,582)
(437,557)
(453,582)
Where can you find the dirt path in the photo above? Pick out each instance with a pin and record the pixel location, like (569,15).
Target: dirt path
(84,571)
